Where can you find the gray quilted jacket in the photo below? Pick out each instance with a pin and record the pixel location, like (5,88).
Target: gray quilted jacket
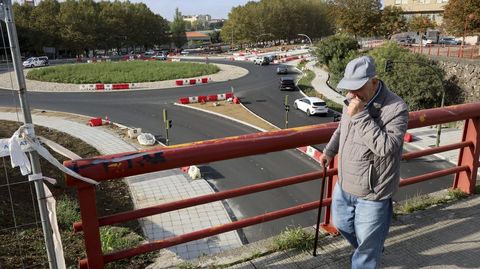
(369,146)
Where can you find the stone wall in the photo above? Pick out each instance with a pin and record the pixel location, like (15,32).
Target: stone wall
(464,73)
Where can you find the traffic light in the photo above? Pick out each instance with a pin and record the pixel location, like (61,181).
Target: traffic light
(388,66)
(168,124)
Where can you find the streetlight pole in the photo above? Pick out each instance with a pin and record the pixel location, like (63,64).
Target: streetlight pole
(309,40)
(388,68)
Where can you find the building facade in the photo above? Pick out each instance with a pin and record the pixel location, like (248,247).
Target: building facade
(429,8)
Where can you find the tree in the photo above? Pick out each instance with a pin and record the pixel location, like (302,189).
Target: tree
(357,17)
(337,46)
(421,24)
(392,21)
(215,37)
(279,19)
(177,27)
(44,22)
(462,17)
(25,31)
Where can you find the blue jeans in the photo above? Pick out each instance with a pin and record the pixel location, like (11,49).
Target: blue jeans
(364,224)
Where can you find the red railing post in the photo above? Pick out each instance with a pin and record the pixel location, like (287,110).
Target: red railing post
(327,224)
(438,51)
(469,156)
(91,229)
(429,50)
(448,52)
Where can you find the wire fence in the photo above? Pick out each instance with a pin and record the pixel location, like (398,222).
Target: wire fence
(19,222)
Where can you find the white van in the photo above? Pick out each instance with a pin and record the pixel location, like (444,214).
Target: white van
(35,62)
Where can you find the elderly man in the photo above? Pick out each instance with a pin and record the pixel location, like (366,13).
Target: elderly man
(368,141)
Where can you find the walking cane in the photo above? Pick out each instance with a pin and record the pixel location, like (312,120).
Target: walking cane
(322,189)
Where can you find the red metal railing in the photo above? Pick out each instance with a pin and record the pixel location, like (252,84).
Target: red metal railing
(467,51)
(133,163)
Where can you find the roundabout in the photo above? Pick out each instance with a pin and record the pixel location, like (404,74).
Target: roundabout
(224,72)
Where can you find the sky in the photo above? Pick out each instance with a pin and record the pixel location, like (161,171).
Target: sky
(218,9)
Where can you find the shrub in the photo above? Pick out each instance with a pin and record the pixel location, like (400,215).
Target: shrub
(417,84)
(337,46)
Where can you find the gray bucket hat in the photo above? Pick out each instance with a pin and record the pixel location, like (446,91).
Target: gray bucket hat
(357,73)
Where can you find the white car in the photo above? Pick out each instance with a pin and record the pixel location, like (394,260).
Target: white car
(427,42)
(35,62)
(311,105)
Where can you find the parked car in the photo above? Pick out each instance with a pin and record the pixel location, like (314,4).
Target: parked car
(287,83)
(35,62)
(427,42)
(261,60)
(44,59)
(406,41)
(160,56)
(311,105)
(282,69)
(449,41)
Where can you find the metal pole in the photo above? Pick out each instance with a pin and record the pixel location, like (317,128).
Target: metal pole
(166,123)
(309,40)
(287,108)
(36,169)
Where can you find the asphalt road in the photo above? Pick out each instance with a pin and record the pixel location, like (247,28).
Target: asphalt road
(259,92)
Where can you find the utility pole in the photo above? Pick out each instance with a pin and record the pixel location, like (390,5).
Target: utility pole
(7,16)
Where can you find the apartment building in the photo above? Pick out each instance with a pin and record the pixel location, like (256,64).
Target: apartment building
(194,18)
(430,8)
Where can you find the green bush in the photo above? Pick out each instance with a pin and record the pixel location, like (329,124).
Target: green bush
(337,46)
(417,84)
(121,72)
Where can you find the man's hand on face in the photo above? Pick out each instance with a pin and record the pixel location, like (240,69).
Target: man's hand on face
(356,105)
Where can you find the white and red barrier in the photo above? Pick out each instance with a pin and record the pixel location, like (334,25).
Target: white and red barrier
(205,98)
(312,152)
(192,81)
(107,87)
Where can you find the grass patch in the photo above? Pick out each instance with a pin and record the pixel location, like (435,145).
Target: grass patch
(294,238)
(305,84)
(423,202)
(24,247)
(121,72)
(187,265)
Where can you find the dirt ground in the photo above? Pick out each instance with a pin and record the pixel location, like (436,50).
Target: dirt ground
(235,111)
(23,246)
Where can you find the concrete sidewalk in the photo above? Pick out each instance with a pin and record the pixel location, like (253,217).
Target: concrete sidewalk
(444,236)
